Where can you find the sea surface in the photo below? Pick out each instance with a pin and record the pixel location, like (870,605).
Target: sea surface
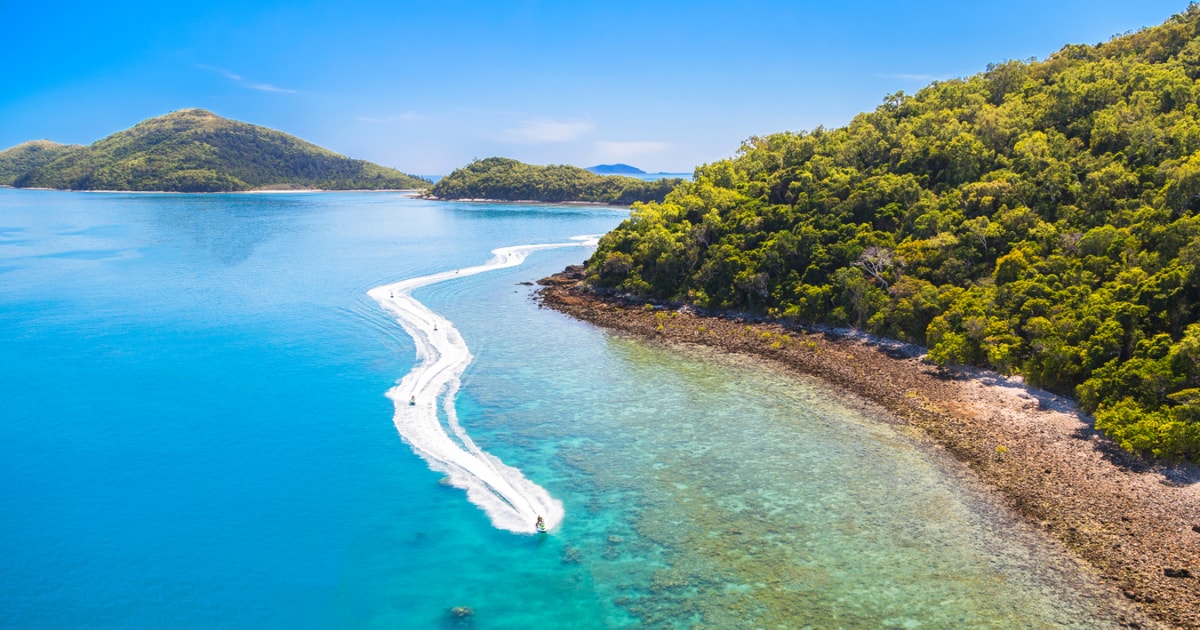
(195,432)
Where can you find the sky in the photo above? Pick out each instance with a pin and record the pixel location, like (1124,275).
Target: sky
(427,87)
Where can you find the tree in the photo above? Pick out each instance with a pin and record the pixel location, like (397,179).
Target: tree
(880,263)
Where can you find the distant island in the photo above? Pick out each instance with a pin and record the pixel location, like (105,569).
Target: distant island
(194,150)
(504,179)
(615,169)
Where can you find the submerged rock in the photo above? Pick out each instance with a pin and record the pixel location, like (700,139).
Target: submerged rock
(572,555)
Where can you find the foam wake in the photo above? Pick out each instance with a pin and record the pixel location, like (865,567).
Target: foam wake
(425,402)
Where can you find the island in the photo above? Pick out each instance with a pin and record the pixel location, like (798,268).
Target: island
(194,150)
(505,179)
(1008,261)
(615,169)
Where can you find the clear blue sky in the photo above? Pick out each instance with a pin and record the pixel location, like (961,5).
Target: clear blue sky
(426,87)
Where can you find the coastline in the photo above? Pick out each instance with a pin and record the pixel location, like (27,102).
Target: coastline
(1134,521)
(527,202)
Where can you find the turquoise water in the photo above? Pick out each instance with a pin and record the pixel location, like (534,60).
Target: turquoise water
(195,434)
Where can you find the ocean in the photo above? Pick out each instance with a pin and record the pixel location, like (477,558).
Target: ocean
(197,431)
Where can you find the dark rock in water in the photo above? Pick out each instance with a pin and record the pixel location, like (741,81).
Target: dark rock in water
(1177,573)
(525,284)
(572,555)
(570,275)
(462,612)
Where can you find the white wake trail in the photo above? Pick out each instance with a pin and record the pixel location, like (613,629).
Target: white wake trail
(511,501)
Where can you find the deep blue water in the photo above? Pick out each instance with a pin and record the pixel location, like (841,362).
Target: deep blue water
(194,434)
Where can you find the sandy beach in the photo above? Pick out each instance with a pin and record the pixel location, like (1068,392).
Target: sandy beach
(1135,521)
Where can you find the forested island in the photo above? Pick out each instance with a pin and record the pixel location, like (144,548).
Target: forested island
(1038,218)
(504,179)
(194,150)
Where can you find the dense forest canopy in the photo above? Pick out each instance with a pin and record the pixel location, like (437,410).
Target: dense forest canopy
(30,156)
(194,150)
(1039,218)
(509,180)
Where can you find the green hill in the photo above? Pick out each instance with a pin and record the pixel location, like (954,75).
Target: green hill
(193,150)
(30,156)
(509,180)
(1040,218)
(615,169)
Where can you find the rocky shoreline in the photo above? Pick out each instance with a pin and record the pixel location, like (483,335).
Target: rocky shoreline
(523,202)
(1137,522)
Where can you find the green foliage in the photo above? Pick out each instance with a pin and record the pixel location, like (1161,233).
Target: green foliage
(194,150)
(1040,218)
(29,156)
(509,180)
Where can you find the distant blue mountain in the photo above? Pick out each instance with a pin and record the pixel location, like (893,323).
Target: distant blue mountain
(615,169)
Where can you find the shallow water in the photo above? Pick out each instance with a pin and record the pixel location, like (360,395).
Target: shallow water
(196,434)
